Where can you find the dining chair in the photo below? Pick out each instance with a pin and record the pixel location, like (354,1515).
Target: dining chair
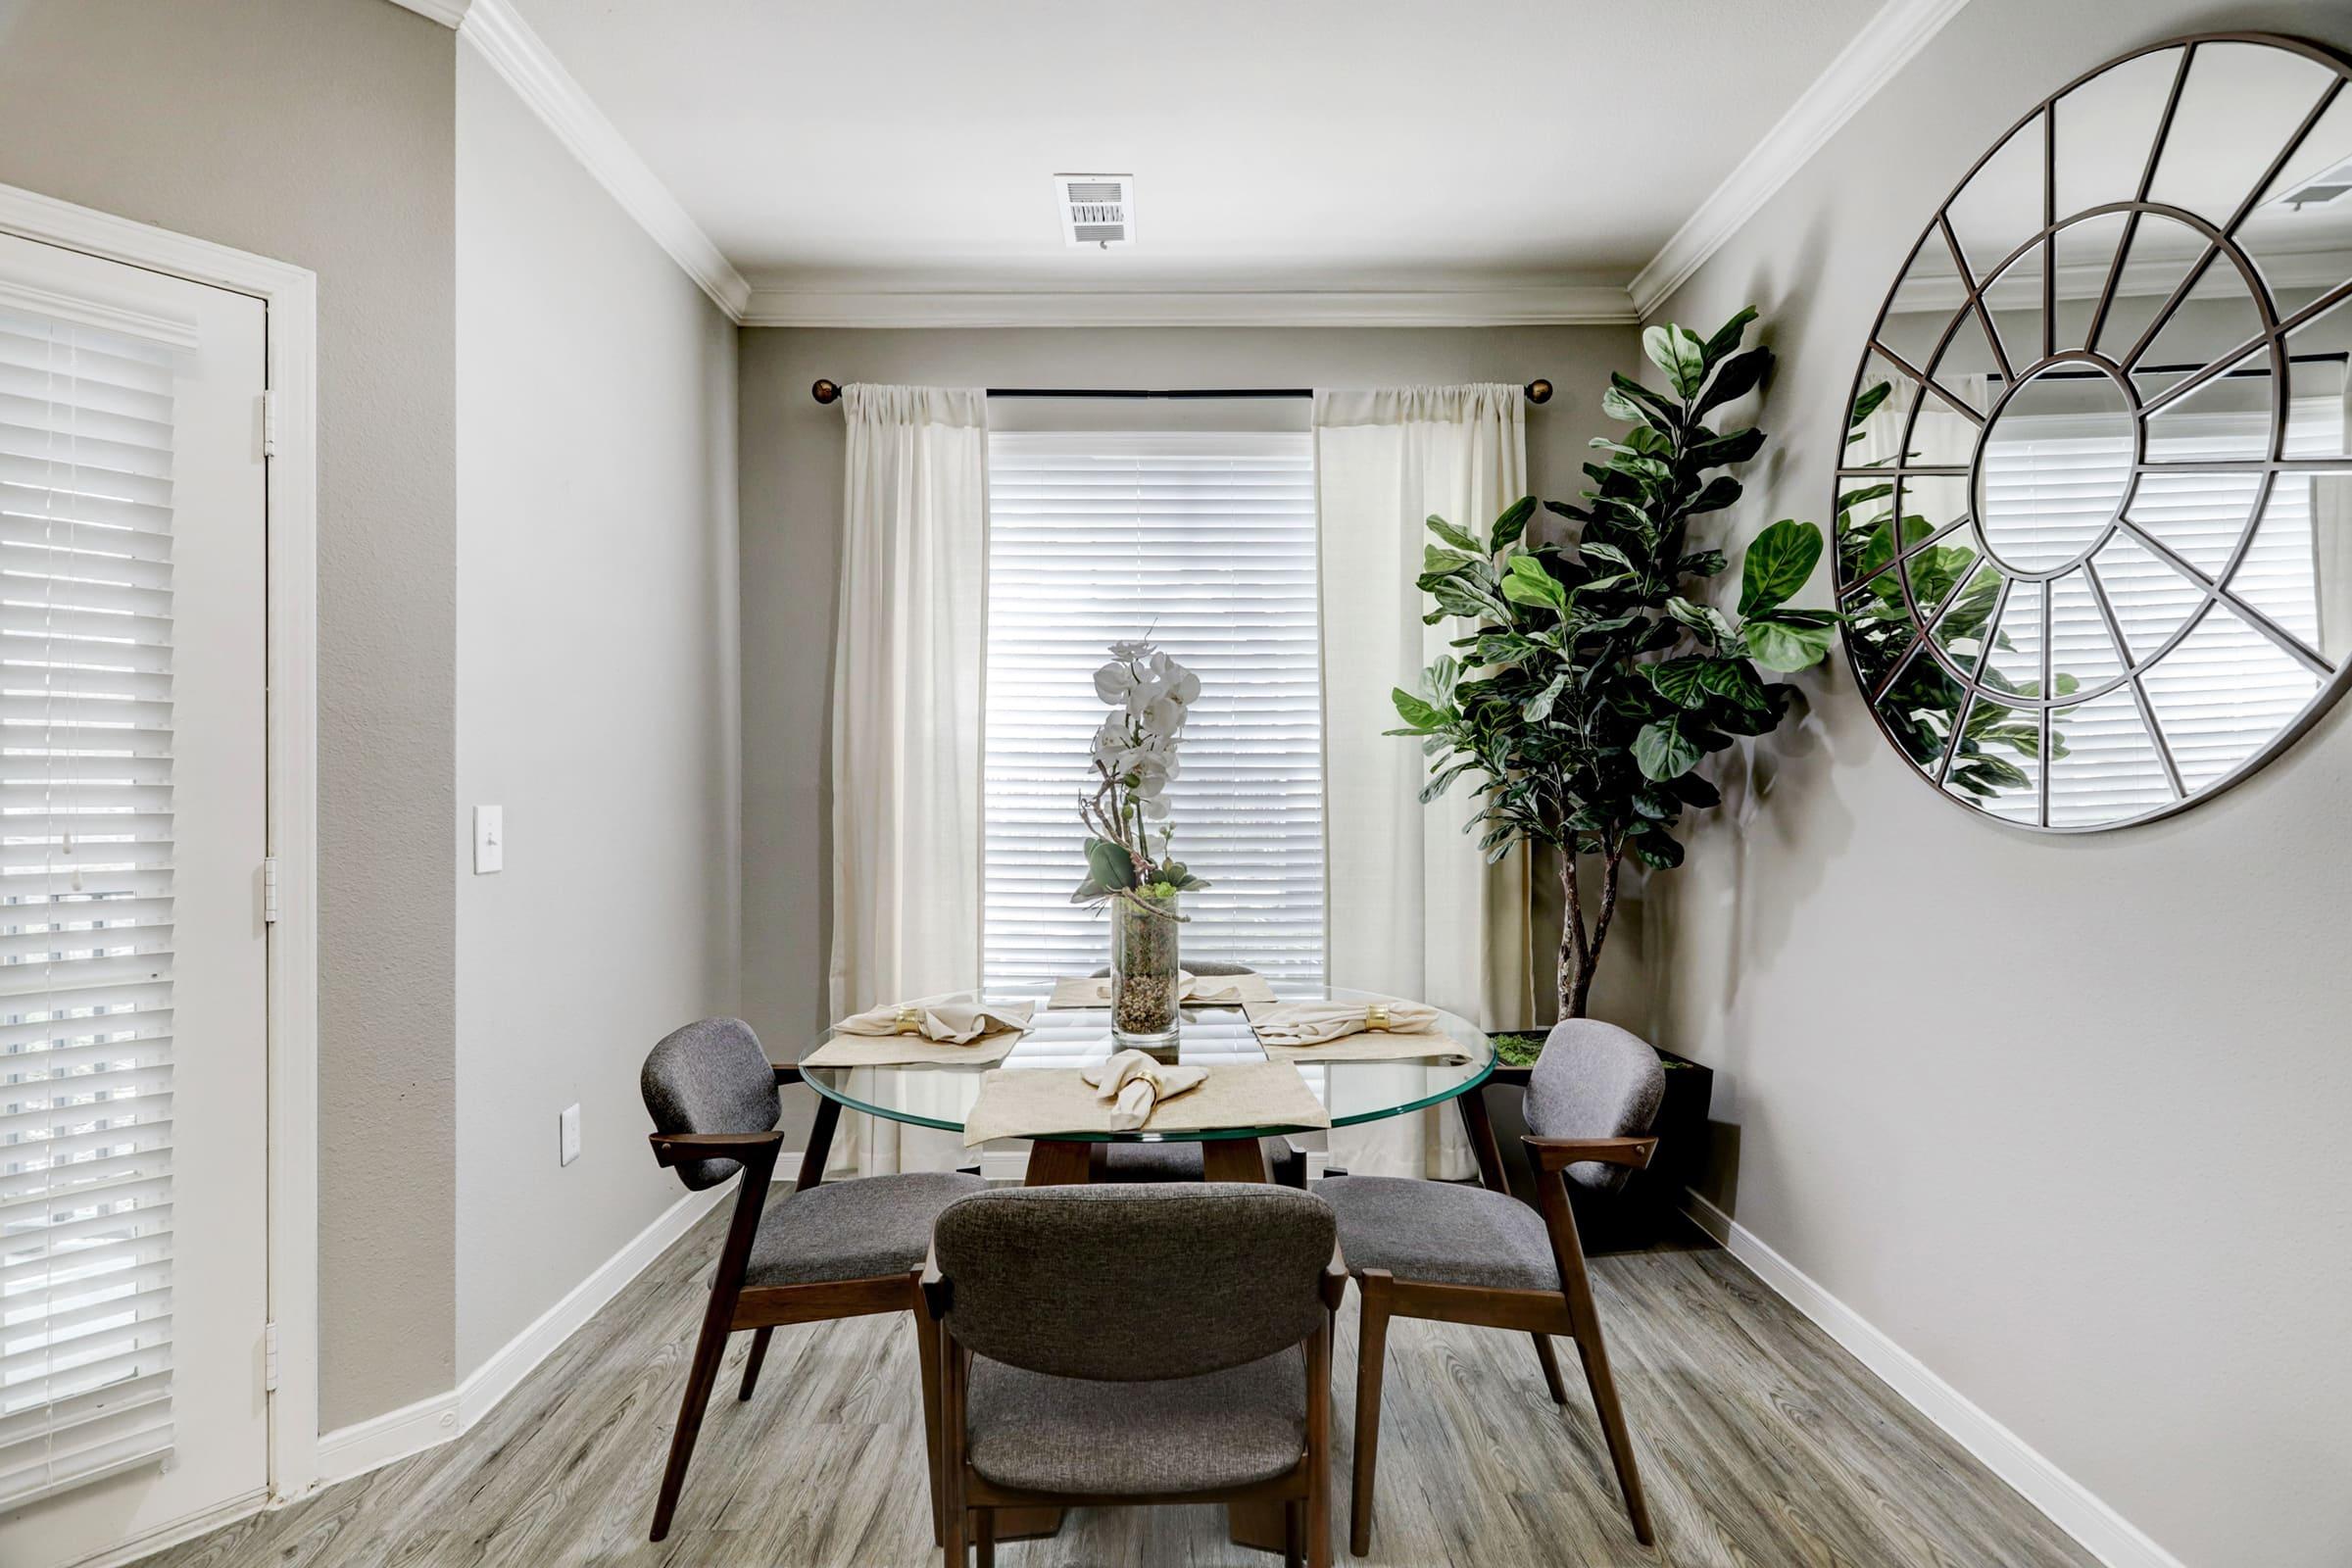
(1181,1161)
(1135,1345)
(827,1250)
(1476,1255)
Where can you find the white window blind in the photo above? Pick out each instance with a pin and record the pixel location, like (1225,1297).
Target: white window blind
(85,904)
(2227,689)
(1205,543)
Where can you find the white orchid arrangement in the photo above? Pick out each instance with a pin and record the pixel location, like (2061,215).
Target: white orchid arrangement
(1134,756)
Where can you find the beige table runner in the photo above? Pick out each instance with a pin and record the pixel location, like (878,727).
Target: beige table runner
(1095,991)
(1365,1044)
(899,1050)
(1039,1103)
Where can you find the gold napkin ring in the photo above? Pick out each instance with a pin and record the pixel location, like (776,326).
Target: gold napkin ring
(1376,1015)
(910,1021)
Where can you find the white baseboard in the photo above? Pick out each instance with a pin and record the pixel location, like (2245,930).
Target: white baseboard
(162,1538)
(365,1446)
(482,1387)
(376,1441)
(2072,1506)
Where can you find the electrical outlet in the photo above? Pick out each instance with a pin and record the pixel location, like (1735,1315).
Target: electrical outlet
(567,1148)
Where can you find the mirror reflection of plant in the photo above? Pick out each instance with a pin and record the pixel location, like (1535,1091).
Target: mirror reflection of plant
(1924,703)
(1594,683)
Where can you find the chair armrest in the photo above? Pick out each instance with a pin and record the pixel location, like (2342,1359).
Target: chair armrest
(1505,1073)
(938,1293)
(1334,1281)
(1558,1153)
(787,1073)
(670,1148)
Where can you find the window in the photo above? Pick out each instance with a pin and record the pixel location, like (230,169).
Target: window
(86,436)
(2227,689)
(1206,543)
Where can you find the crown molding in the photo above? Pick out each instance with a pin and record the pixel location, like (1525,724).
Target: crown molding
(779,304)
(519,55)
(448,12)
(1869,61)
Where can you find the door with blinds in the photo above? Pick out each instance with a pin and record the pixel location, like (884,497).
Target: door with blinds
(133,794)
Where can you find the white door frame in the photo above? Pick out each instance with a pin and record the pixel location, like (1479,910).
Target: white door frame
(291,296)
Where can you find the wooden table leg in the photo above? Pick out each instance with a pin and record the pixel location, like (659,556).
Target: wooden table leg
(1233,1160)
(1053,1163)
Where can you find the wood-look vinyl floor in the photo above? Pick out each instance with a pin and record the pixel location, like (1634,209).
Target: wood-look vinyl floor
(1763,1444)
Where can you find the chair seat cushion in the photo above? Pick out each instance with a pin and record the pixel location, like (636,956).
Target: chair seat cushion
(852,1230)
(1441,1232)
(1074,1436)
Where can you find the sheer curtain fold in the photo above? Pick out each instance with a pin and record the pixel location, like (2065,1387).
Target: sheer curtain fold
(908,704)
(1413,909)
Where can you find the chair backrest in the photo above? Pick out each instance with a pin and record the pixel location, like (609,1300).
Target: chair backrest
(1134,1283)
(1203,966)
(1595,1080)
(709,1077)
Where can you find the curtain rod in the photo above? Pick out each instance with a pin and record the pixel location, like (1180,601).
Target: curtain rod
(1537,391)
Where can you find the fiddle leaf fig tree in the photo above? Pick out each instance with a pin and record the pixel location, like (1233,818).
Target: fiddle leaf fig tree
(1596,675)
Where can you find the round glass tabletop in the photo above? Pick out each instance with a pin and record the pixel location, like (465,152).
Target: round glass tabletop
(938,1094)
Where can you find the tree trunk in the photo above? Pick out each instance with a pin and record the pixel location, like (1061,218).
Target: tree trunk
(1580,953)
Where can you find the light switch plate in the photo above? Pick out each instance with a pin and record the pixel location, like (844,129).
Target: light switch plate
(489,839)
(567,1146)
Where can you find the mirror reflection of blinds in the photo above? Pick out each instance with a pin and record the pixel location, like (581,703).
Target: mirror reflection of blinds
(86,424)
(2228,688)
(1205,543)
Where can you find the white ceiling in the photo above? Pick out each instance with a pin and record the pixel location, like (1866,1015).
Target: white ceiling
(1278,145)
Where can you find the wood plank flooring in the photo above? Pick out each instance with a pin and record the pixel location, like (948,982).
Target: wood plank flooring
(1763,1444)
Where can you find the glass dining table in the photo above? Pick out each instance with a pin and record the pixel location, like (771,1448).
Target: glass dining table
(940,1094)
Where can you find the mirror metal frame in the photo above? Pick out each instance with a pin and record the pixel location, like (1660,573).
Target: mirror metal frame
(2219,244)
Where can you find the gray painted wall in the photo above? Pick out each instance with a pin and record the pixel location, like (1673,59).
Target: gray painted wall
(2049,1112)
(322,135)
(596,701)
(792,474)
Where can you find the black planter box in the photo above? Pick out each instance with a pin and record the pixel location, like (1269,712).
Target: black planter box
(1649,1208)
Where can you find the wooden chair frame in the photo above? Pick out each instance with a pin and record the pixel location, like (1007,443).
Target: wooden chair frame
(1567,1311)
(735,1307)
(969,1505)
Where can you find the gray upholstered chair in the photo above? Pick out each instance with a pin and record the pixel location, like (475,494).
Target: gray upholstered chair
(825,1251)
(1134,1344)
(1478,1256)
(1181,1161)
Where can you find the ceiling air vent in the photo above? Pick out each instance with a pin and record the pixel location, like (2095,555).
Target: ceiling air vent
(1096,209)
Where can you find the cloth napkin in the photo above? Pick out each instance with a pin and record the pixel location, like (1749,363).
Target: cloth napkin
(956,1024)
(1134,1083)
(1312,1023)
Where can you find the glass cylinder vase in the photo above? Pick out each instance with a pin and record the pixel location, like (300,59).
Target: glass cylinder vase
(1143,972)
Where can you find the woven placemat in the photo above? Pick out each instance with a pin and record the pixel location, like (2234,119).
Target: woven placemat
(1040,1103)
(900,1051)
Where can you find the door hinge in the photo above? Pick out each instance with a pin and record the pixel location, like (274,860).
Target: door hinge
(270,891)
(268,424)
(268,1358)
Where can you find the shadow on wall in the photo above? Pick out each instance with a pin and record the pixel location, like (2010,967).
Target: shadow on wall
(1765,780)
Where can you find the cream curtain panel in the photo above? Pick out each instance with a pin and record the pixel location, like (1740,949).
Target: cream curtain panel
(907,723)
(1414,909)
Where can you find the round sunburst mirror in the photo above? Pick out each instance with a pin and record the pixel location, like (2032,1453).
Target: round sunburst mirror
(2094,503)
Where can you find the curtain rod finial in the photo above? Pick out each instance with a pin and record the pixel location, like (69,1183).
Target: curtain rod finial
(1539,391)
(830,391)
